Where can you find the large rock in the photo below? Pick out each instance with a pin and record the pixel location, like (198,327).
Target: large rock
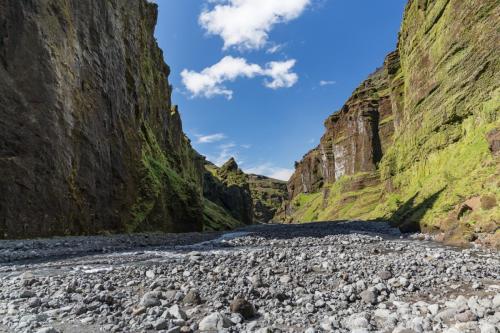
(89,139)
(214,322)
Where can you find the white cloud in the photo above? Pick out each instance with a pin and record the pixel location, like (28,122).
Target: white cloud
(226,151)
(210,138)
(210,81)
(279,71)
(275,48)
(246,146)
(246,24)
(326,83)
(270,170)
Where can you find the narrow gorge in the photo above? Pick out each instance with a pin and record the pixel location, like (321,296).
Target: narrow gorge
(111,219)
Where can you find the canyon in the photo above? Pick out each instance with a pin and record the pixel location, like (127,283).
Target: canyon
(111,221)
(92,143)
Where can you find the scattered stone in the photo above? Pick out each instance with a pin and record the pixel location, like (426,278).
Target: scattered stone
(214,322)
(160,324)
(385,275)
(176,312)
(243,307)
(151,299)
(150,274)
(192,297)
(27,294)
(47,330)
(369,296)
(318,277)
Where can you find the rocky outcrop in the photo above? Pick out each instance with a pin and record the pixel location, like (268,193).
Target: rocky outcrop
(420,134)
(354,139)
(234,198)
(268,196)
(228,188)
(89,139)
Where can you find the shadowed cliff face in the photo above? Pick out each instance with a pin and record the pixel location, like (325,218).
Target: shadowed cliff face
(234,198)
(228,188)
(89,139)
(418,138)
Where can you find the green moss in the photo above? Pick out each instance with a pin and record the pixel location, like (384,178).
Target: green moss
(386,120)
(159,186)
(217,218)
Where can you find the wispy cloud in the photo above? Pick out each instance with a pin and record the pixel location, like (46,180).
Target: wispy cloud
(245,24)
(270,170)
(326,83)
(210,81)
(224,153)
(210,138)
(275,48)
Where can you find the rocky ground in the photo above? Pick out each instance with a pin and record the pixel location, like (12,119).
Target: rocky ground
(323,277)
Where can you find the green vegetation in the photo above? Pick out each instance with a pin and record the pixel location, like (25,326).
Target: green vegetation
(217,218)
(161,185)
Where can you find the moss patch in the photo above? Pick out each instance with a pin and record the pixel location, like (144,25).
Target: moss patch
(216,218)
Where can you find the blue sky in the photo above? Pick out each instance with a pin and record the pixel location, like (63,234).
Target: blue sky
(255,79)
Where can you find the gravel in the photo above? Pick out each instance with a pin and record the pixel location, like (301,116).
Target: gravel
(321,277)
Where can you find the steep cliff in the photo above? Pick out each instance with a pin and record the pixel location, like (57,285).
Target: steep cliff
(89,139)
(416,141)
(227,187)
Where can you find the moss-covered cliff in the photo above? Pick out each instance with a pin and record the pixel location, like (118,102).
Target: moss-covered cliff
(439,171)
(89,139)
(229,201)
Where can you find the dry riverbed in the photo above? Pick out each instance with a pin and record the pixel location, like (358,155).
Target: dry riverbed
(321,277)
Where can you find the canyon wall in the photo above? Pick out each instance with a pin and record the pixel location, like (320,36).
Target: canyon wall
(90,141)
(416,142)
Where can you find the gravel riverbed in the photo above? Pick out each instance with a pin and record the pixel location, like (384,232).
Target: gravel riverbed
(318,277)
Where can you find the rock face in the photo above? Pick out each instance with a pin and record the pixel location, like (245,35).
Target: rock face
(228,188)
(89,139)
(268,196)
(354,138)
(419,137)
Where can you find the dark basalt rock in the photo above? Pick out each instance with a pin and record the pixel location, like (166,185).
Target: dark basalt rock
(89,139)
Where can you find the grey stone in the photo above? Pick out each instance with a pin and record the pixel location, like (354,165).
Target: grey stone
(214,322)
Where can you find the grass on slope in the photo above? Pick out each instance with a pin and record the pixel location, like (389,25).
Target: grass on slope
(217,219)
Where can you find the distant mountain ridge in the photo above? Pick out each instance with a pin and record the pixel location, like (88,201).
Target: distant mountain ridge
(245,198)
